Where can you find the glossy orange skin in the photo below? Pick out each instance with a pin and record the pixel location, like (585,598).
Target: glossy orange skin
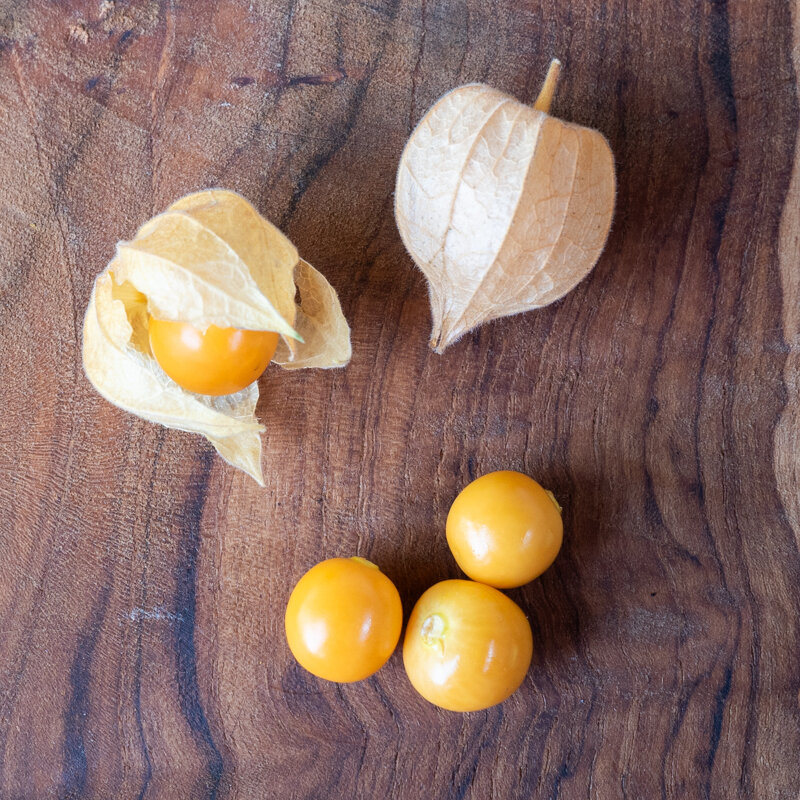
(467,646)
(219,361)
(343,619)
(504,529)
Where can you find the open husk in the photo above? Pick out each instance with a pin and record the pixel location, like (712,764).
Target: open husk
(503,207)
(209,259)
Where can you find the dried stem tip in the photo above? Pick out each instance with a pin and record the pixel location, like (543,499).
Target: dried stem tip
(545,98)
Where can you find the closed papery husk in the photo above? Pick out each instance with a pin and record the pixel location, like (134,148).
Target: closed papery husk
(209,259)
(503,207)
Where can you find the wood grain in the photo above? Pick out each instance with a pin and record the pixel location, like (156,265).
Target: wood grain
(143,581)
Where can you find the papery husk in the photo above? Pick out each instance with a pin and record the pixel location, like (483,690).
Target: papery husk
(503,207)
(319,322)
(209,259)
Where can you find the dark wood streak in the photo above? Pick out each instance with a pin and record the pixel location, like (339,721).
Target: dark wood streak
(719,61)
(61,170)
(76,715)
(487,732)
(687,692)
(325,79)
(185,610)
(339,137)
(29,630)
(717,34)
(716,723)
(137,678)
(720,64)
(312,169)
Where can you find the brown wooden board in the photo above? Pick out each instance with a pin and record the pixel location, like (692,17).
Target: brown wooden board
(143,581)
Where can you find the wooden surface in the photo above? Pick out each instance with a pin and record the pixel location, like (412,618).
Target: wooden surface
(143,581)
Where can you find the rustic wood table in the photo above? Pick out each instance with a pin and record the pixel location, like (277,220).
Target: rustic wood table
(143,581)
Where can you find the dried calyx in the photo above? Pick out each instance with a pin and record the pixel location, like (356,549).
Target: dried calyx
(209,259)
(503,207)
